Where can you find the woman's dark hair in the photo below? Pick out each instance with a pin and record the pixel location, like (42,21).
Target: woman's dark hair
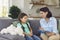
(21,16)
(46,9)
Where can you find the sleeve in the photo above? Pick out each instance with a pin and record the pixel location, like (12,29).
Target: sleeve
(18,25)
(54,25)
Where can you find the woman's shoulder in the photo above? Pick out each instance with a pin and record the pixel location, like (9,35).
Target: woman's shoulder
(52,18)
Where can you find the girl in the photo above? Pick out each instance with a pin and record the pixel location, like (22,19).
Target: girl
(48,24)
(27,31)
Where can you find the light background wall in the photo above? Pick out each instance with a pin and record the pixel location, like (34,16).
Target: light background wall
(24,5)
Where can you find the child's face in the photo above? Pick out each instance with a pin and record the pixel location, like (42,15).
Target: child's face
(24,19)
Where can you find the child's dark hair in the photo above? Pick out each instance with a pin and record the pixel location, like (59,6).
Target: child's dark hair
(46,9)
(21,16)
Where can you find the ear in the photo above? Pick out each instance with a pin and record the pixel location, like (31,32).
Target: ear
(20,18)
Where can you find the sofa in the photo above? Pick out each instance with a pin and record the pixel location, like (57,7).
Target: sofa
(6,22)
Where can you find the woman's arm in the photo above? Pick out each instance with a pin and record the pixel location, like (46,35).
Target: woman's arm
(54,27)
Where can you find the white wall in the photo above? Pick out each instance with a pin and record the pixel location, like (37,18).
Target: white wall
(19,3)
(24,5)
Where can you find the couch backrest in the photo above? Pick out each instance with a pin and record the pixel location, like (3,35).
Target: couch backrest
(35,25)
(5,23)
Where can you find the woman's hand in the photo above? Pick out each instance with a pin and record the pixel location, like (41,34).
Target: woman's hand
(49,34)
(40,28)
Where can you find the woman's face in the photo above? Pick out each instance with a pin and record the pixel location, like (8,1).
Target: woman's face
(43,14)
(24,19)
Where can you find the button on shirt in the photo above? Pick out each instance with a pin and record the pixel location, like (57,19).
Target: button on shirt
(50,26)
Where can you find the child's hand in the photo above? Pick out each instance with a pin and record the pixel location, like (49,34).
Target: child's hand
(31,34)
(28,34)
(24,33)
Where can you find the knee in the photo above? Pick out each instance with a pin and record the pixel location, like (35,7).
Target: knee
(51,38)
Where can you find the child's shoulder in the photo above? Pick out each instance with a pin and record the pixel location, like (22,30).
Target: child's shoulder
(18,24)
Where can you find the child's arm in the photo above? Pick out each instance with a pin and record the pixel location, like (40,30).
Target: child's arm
(30,29)
(31,33)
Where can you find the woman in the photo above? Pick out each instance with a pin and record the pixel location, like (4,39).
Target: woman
(24,24)
(48,24)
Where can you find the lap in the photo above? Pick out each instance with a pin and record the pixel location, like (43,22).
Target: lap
(44,37)
(54,37)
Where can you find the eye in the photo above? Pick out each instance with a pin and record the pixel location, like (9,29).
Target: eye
(41,13)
